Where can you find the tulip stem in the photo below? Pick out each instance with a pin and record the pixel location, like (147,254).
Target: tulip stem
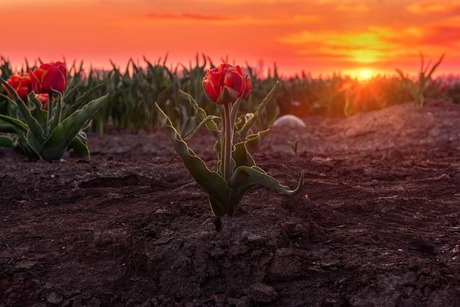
(50,113)
(228,142)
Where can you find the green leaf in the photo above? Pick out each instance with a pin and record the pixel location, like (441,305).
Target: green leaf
(6,142)
(80,146)
(271,96)
(211,182)
(32,142)
(240,155)
(7,128)
(56,119)
(83,98)
(253,141)
(202,123)
(37,111)
(8,99)
(188,126)
(245,177)
(435,66)
(209,121)
(55,145)
(235,108)
(16,123)
(242,152)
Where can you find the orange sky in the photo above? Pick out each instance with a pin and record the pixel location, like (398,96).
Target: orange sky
(318,36)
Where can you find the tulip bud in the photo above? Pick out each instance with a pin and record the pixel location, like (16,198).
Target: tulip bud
(44,99)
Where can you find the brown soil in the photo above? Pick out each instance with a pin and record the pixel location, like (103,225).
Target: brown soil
(380,227)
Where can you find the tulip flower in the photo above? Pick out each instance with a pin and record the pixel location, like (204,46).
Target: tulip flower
(226,83)
(48,77)
(21,83)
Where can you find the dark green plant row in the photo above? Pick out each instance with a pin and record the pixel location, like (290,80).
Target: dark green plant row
(136,87)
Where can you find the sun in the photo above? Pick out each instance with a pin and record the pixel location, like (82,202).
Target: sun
(365,74)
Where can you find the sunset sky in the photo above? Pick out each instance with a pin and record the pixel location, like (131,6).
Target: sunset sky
(318,36)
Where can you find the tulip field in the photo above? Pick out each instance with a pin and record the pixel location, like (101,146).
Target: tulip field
(215,184)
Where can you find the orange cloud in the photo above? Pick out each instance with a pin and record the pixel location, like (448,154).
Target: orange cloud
(426,8)
(436,36)
(362,47)
(356,8)
(188,16)
(278,19)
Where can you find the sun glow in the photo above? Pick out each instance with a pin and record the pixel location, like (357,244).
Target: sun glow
(365,74)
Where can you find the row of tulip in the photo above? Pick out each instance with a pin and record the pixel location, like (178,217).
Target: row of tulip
(135,88)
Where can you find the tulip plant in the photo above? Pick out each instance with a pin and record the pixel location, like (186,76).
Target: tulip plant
(236,173)
(45,127)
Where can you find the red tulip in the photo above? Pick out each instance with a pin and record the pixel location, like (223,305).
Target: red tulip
(21,83)
(49,76)
(44,99)
(226,83)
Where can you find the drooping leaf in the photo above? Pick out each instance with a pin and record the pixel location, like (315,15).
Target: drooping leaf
(245,177)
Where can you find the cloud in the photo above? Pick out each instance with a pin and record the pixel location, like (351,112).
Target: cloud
(359,8)
(188,16)
(232,2)
(232,20)
(429,7)
(436,36)
(354,46)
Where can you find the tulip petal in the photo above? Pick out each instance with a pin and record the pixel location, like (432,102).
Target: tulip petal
(210,90)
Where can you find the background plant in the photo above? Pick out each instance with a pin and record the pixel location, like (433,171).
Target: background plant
(419,87)
(135,86)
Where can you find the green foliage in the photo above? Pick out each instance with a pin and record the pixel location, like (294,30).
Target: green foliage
(419,86)
(135,87)
(39,136)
